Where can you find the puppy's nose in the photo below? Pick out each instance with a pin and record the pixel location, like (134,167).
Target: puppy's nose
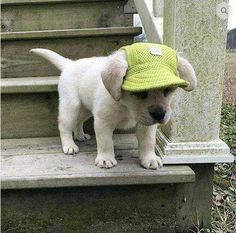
(157,113)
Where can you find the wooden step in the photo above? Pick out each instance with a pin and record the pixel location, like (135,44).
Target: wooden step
(29,115)
(31,2)
(74,44)
(35,104)
(39,163)
(47,191)
(99,209)
(70,33)
(25,15)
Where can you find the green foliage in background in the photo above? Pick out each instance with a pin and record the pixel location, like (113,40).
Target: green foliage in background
(228,126)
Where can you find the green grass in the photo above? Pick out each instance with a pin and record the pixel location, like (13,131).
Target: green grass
(224,194)
(228,126)
(224,190)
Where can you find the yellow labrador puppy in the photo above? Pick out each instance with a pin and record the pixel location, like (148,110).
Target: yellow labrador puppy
(92,87)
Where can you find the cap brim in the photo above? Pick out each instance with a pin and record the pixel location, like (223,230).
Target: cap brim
(152,80)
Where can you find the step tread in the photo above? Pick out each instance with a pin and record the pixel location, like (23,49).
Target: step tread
(65,33)
(39,162)
(29,84)
(17,2)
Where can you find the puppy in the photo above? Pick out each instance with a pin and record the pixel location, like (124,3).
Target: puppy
(92,87)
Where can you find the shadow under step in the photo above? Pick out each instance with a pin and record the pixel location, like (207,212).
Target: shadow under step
(40,163)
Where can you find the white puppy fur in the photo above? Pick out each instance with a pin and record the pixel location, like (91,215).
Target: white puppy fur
(92,87)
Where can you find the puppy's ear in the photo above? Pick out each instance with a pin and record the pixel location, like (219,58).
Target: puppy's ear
(113,74)
(187,73)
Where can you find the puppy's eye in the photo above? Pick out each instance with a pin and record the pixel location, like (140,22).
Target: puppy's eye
(141,95)
(167,91)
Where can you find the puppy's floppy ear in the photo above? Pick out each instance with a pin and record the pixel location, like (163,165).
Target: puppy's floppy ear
(113,74)
(187,73)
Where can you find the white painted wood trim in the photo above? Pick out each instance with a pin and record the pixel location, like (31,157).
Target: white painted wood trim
(158,6)
(215,151)
(150,23)
(195,159)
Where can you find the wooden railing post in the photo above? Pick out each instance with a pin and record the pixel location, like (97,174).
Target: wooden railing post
(158,7)
(192,135)
(150,22)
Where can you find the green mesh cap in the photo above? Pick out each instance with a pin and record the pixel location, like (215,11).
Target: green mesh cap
(151,67)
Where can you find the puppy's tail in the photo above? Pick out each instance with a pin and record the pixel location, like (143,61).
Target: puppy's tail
(56,59)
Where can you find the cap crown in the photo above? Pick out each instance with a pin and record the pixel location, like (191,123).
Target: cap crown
(150,67)
(143,55)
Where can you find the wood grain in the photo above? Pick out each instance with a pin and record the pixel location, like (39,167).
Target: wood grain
(46,145)
(29,85)
(17,62)
(32,163)
(29,2)
(78,15)
(29,115)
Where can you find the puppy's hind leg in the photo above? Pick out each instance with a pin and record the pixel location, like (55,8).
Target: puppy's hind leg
(79,134)
(68,114)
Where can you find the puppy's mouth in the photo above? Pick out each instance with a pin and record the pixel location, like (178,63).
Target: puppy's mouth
(147,121)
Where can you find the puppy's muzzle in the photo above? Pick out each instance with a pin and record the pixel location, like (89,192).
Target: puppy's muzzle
(157,113)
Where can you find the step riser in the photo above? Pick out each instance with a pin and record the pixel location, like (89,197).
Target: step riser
(17,62)
(30,17)
(31,115)
(134,209)
(34,115)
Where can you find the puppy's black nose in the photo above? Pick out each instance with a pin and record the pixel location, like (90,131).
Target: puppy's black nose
(157,113)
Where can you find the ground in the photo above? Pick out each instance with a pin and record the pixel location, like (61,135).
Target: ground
(224,195)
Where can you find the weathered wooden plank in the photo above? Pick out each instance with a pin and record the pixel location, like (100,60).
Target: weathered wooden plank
(70,33)
(78,15)
(29,115)
(129,7)
(29,85)
(45,145)
(119,209)
(39,162)
(194,201)
(50,171)
(33,115)
(17,62)
(29,2)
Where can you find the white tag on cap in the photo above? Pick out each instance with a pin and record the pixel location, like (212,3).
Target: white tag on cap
(156,51)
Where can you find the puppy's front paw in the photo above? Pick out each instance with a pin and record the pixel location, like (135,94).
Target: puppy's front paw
(105,162)
(82,137)
(70,149)
(151,162)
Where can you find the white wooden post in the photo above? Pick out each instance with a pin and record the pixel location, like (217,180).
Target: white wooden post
(158,7)
(146,10)
(192,135)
